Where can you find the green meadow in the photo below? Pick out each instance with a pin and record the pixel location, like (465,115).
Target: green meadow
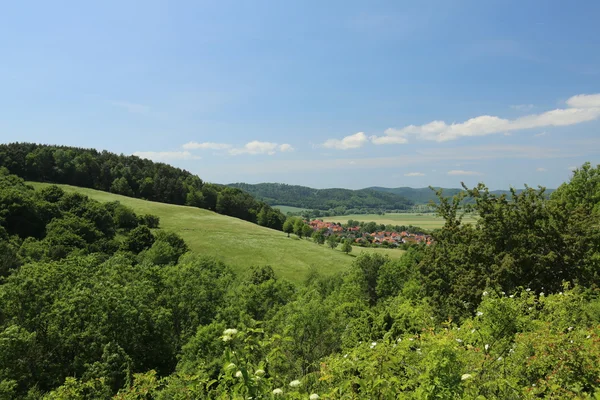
(426,221)
(239,244)
(288,209)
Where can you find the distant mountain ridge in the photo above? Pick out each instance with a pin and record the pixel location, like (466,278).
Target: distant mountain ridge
(324,199)
(371,198)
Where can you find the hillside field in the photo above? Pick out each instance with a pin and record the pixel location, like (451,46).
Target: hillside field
(426,221)
(239,244)
(287,209)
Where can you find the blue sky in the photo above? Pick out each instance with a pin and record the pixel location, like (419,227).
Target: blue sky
(325,94)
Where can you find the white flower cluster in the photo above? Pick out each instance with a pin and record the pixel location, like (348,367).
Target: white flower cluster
(295,383)
(229,334)
(314,396)
(277,392)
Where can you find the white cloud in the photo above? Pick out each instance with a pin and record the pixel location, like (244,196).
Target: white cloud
(414,174)
(256,147)
(540,169)
(166,155)
(463,172)
(585,101)
(132,107)
(206,146)
(349,142)
(540,134)
(581,108)
(285,147)
(522,107)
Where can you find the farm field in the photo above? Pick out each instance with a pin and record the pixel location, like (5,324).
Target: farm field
(426,221)
(239,244)
(287,209)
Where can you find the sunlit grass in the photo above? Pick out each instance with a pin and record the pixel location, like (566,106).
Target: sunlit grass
(240,244)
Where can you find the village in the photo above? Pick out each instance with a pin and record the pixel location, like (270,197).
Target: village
(360,237)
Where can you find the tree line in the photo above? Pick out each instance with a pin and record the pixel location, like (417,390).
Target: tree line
(132,176)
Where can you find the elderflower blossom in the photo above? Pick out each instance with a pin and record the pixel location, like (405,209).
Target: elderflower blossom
(479,313)
(295,383)
(464,377)
(570,328)
(277,392)
(314,396)
(228,334)
(486,347)
(373,344)
(485,293)
(459,340)
(238,374)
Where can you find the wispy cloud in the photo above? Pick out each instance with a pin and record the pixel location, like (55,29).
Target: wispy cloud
(166,155)
(455,172)
(257,147)
(132,107)
(414,174)
(540,169)
(522,107)
(206,146)
(540,134)
(580,108)
(355,141)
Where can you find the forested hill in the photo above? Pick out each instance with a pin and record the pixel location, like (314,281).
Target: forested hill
(324,199)
(426,195)
(134,177)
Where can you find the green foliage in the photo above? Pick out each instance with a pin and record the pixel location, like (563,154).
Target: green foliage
(332,241)
(125,218)
(318,237)
(151,221)
(288,225)
(526,241)
(139,239)
(346,246)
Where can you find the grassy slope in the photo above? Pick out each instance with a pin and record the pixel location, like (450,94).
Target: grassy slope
(426,221)
(238,243)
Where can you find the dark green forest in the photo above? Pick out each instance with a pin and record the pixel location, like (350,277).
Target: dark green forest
(134,177)
(341,201)
(97,302)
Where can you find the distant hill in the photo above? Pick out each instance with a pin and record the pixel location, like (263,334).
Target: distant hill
(134,177)
(324,199)
(426,195)
(416,195)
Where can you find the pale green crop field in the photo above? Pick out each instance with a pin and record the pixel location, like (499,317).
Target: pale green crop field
(426,221)
(239,244)
(287,209)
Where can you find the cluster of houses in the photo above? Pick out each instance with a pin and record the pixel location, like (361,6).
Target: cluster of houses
(381,238)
